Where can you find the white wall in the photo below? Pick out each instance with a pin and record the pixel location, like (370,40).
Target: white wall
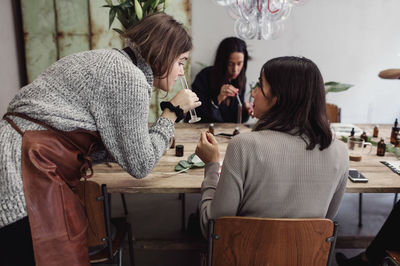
(9,76)
(350,41)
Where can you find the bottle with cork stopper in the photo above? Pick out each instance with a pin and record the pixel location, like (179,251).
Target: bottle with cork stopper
(381,148)
(395,132)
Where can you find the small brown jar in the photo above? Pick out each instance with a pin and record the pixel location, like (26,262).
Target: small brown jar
(376,131)
(381,149)
(179,150)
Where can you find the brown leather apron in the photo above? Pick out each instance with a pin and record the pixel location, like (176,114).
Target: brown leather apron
(53,162)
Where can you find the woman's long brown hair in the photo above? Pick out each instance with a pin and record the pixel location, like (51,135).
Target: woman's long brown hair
(160,40)
(300,108)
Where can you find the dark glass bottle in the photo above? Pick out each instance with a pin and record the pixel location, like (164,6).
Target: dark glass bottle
(211,128)
(236,131)
(364,136)
(352,132)
(395,132)
(376,131)
(380,151)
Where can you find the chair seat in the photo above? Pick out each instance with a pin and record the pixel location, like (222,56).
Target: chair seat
(394,255)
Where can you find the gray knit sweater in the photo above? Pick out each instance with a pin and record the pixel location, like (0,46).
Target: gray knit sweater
(271,174)
(99,90)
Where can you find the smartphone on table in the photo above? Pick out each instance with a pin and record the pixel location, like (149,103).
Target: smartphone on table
(356,176)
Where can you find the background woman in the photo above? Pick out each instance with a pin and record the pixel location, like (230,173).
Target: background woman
(289,165)
(217,85)
(88,105)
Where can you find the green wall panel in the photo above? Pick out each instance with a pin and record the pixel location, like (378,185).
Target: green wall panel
(39,35)
(72,22)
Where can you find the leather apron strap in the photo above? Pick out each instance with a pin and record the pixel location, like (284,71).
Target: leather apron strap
(51,162)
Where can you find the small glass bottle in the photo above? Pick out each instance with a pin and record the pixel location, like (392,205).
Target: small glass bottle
(211,128)
(397,145)
(236,131)
(395,132)
(352,132)
(364,136)
(380,151)
(376,132)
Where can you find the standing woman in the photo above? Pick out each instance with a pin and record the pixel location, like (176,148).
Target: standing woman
(89,106)
(288,166)
(217,85)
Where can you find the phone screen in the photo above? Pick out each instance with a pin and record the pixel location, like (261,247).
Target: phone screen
(356,176)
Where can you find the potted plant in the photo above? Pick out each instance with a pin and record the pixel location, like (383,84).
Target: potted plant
(130,12)
(333,111)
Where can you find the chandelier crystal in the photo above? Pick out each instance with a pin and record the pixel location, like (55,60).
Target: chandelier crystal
(258,19)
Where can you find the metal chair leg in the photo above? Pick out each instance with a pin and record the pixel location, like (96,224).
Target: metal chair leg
(120,256)
(395,199)
(360,210)
(124,203)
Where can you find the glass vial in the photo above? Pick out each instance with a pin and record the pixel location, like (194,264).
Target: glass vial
(376,132)
(380,151)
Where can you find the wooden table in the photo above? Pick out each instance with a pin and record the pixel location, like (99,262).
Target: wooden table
(163,179)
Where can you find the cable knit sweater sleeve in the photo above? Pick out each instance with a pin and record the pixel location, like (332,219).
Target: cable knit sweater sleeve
(230,188)
(120,107)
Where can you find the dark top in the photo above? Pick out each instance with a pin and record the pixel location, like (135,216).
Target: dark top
(210,111)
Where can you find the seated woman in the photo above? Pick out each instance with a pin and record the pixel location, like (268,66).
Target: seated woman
(288,166)
(217,85)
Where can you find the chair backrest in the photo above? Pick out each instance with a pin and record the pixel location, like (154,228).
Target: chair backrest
(269,241)
(333,112)
(95,199)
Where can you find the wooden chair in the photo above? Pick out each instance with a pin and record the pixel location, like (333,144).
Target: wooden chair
(269,241)
(333,112)
(392,259)
(105,234)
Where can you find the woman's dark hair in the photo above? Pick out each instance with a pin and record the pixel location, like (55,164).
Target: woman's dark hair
(161,40)
(300,108)
(219,75)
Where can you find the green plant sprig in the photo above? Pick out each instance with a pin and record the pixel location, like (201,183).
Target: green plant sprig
(184,165)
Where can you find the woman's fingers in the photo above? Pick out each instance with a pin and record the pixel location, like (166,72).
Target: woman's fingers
(186,99)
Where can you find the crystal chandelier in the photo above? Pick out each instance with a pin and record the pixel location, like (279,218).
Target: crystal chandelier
(258,19)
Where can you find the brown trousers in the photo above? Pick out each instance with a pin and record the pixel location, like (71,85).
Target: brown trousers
(52,163)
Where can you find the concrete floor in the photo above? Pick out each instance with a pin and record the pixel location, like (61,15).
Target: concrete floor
(158,216)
